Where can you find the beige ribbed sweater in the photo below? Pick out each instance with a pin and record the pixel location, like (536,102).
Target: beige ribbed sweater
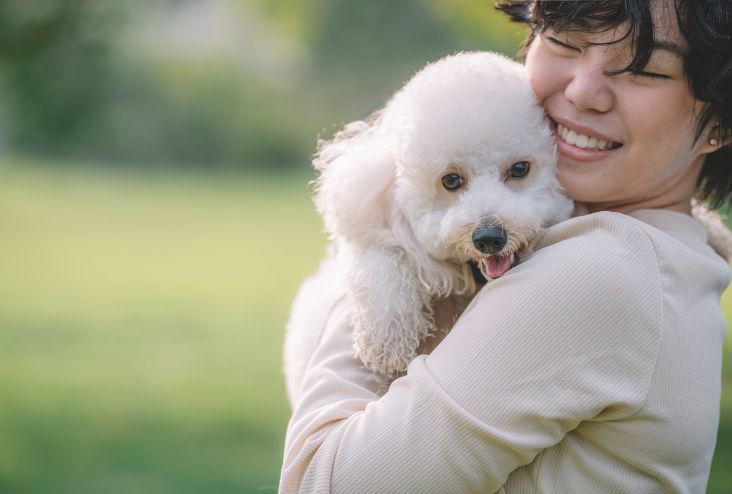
(592,367)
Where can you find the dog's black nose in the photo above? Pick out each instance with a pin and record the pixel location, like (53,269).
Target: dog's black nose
(489,240)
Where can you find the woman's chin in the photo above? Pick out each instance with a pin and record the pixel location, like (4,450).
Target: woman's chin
(577,187)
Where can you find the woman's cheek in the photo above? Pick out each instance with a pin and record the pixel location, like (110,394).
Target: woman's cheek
(542,72)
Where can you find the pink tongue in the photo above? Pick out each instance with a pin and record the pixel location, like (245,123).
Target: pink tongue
(496,266)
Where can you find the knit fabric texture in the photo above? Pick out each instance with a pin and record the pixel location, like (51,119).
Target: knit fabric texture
(593,366)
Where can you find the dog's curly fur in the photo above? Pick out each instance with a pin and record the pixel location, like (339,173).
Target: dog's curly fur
(400,239)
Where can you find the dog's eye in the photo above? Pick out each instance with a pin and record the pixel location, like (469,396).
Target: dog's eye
(519,169)
(452,181)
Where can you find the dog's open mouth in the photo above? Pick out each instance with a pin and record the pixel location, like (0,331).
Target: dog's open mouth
(496,266)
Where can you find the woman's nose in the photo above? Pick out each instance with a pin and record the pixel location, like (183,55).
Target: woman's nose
(589,88)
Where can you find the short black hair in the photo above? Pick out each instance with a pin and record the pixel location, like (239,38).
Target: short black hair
(706,26)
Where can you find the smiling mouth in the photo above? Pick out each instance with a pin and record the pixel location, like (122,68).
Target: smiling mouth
(584,141)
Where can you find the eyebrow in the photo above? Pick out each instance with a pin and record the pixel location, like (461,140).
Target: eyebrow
(670,47)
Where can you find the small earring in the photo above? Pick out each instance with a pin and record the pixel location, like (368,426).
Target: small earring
(713,142)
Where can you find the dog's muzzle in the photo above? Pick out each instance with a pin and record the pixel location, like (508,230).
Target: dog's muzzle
(491,240)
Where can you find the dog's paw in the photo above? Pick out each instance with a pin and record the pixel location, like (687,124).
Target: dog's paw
(389,347)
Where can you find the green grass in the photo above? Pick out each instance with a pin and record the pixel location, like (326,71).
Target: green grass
(141,325)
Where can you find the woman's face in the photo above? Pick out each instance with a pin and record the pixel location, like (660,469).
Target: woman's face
(625,141)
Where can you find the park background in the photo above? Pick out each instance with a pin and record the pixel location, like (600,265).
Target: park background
(155,223)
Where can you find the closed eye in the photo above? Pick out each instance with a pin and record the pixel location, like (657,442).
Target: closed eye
(556,42)
(650,75)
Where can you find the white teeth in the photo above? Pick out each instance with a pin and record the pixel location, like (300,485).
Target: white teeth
(581,140)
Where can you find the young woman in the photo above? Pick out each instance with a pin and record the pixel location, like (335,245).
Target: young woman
(594,366)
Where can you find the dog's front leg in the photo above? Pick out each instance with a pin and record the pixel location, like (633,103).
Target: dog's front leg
(392,314)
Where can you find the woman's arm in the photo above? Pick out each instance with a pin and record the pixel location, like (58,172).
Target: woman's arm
(571,335)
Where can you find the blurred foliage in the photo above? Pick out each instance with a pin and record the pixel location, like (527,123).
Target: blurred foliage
(55,71)
(27,27)
(365,50)
(297,18)
(245,83)
(475,23)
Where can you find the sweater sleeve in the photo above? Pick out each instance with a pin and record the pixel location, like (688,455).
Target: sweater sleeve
(571,335)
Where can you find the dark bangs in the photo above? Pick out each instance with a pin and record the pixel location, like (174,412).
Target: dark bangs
(596,16)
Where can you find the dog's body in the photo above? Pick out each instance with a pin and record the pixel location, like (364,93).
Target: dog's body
(459,166)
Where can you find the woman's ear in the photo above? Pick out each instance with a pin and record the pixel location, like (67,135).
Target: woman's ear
(357,170)
(716,139)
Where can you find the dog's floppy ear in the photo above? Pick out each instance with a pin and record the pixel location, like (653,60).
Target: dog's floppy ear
(355,197)
(357,170)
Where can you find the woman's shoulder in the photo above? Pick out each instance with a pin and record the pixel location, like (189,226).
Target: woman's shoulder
(587,258)
(600,245)
(669,241)
(587,266)
(606,229)
(589,276)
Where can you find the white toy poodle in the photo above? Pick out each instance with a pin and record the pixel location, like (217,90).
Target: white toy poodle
(458,167)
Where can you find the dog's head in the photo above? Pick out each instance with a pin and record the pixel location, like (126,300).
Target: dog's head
(460,164)
(475,160)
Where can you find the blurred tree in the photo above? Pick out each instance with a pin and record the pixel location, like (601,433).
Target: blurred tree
(363,51)
(56,70)
(477,25)
(73,91)
(353,35)
(28,27)
(236,82)
(295,17)
(203,84)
